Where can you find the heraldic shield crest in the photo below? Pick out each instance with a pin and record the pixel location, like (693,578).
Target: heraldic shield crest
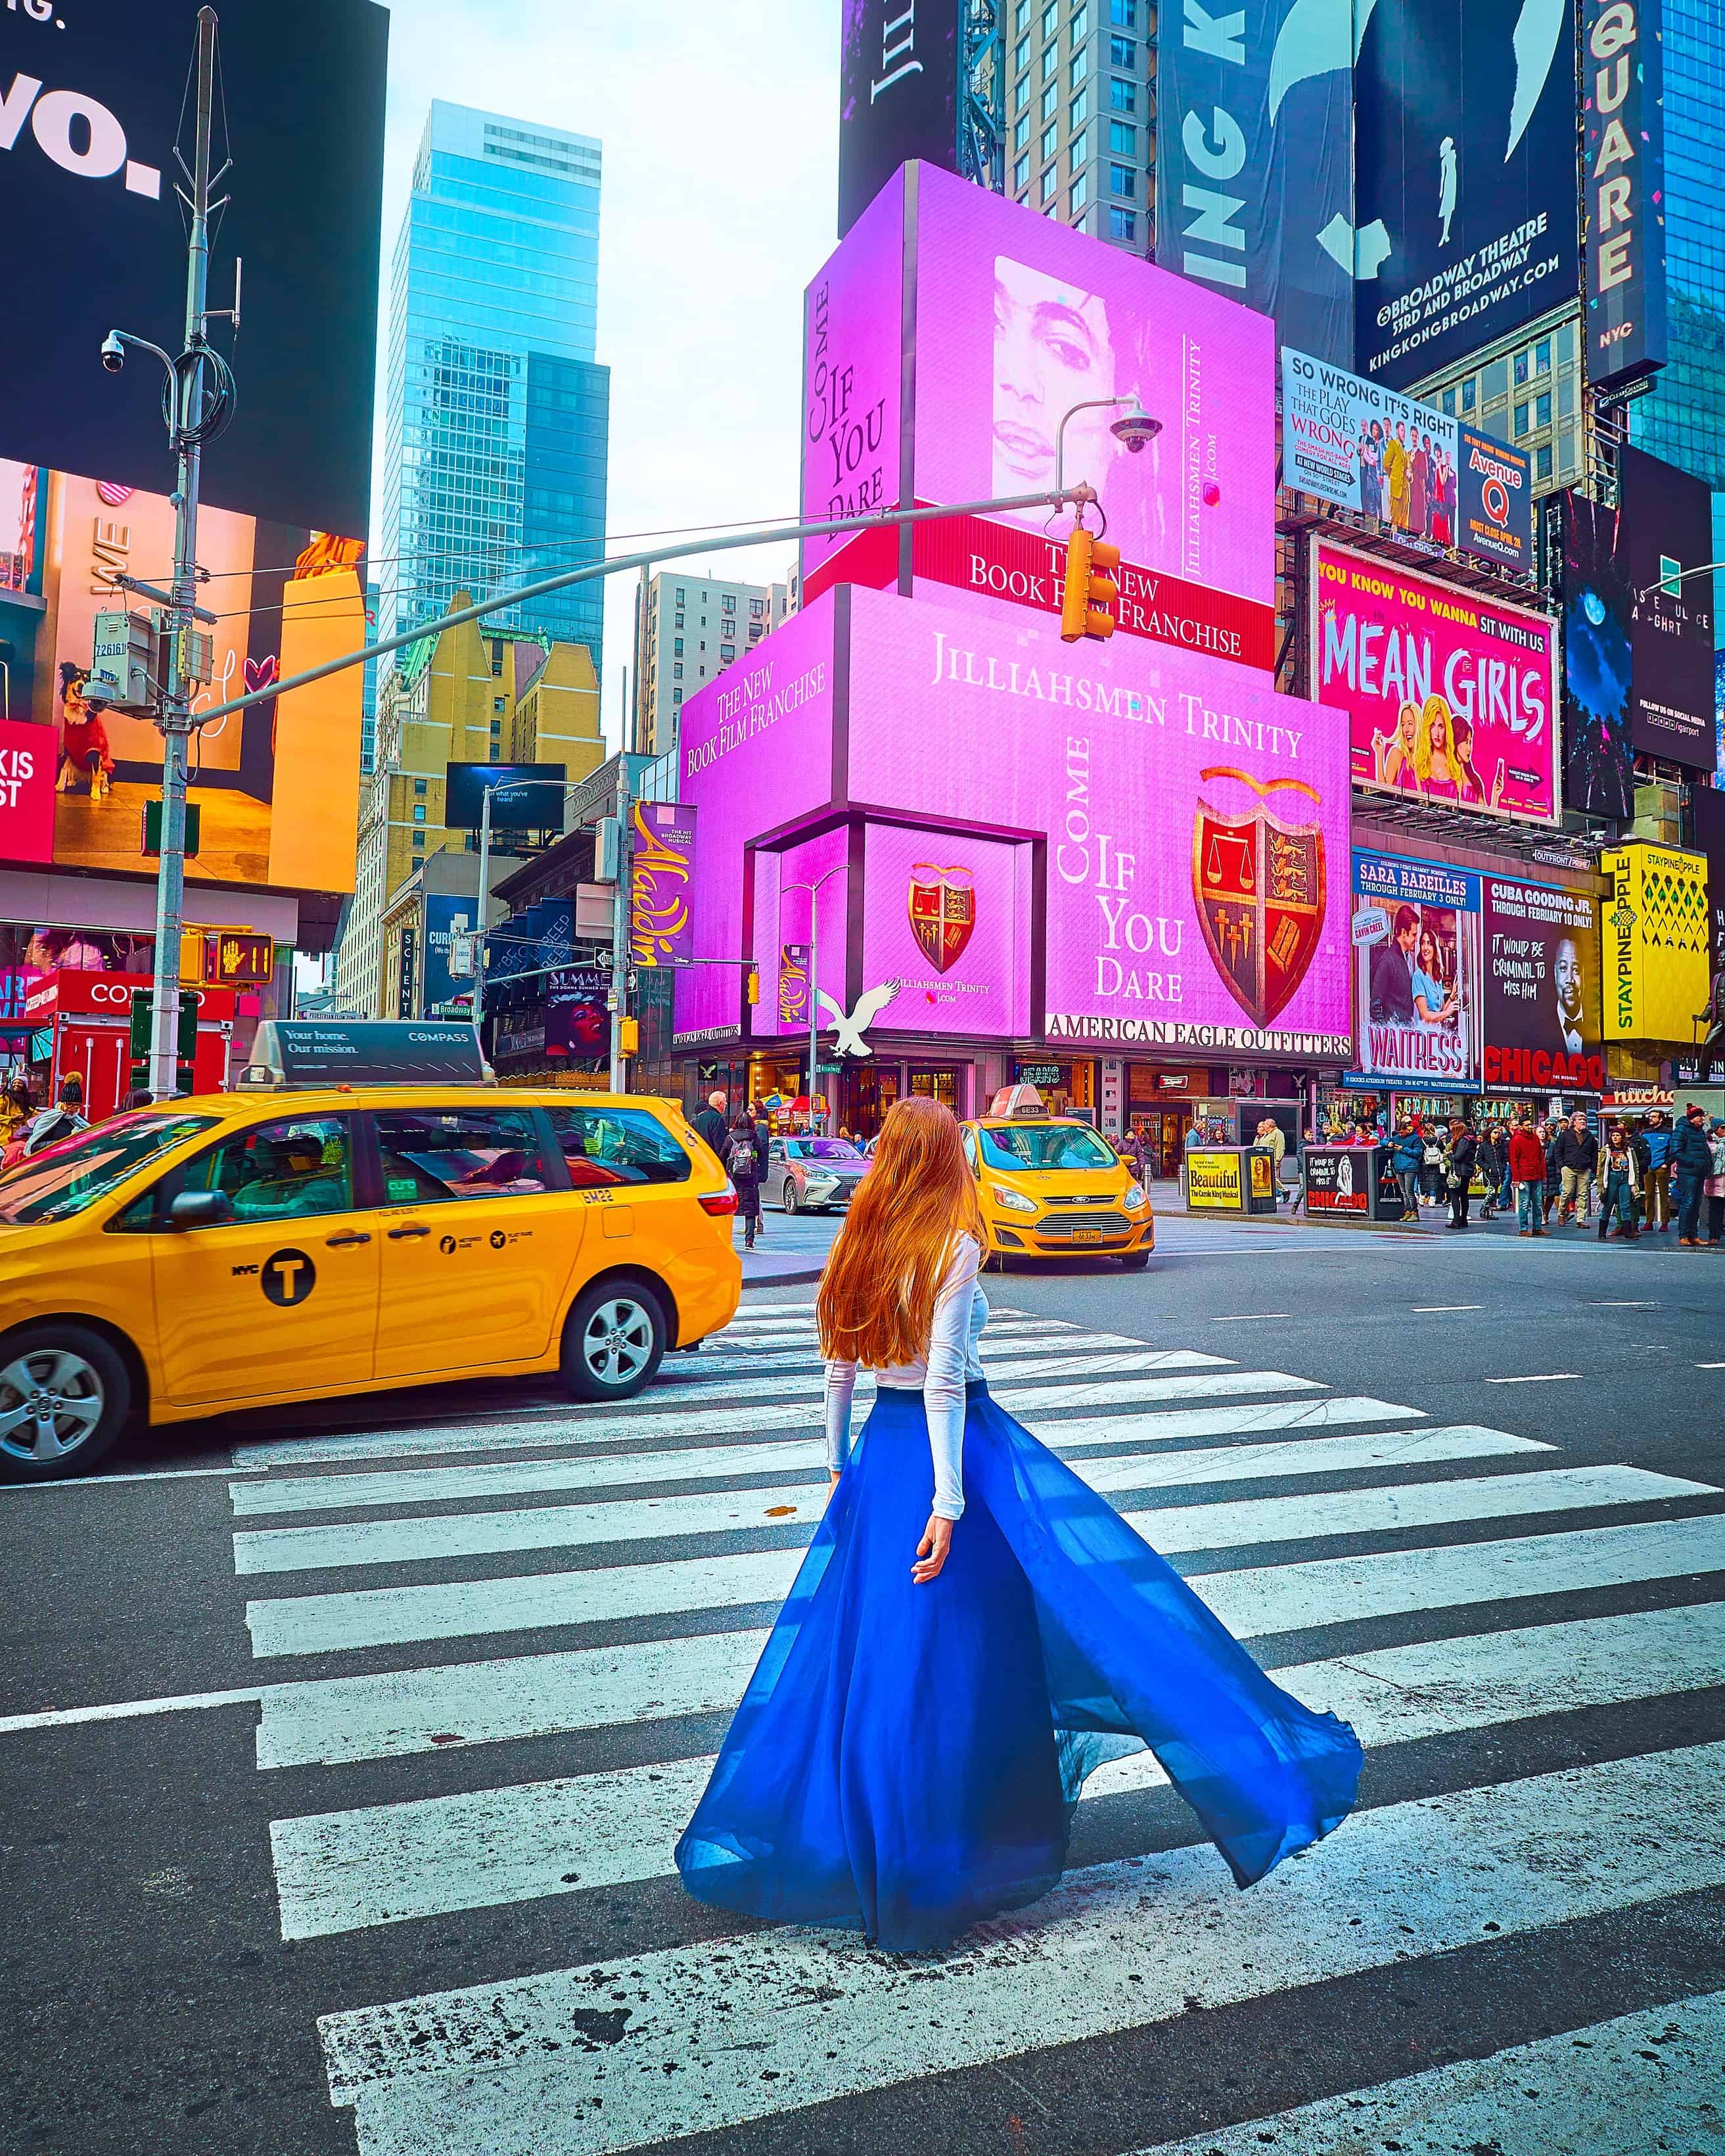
(1259,883)
(943,913)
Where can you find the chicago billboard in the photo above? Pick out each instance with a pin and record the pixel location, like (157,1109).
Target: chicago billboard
(1623,172)
(1418,961)
(1016,320)
(94,107)
(1254,158)
(1183,830)
(1464,178)
(1450,696)
(1542,1000)
(899,95)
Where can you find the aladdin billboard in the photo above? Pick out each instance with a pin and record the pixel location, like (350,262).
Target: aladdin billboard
(944,341)
(983,831)
(1450,696)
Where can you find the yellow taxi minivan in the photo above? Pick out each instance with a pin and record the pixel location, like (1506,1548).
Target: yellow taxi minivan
(240,1251)
(1050,1187)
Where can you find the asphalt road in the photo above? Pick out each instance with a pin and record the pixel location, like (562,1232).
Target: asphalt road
(1471,1490)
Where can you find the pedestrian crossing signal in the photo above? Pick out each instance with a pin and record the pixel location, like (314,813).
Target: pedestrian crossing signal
(1089,589)
(752,985)
(629,1036)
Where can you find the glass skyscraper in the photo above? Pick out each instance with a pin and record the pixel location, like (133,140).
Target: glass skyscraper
(497,420)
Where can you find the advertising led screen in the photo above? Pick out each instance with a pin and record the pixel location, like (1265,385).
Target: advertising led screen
(27,793)
(524,797)
(1255,162)
(94,106)
(661,916)
(1599,756)
(1657,943)
(1450,697)
(1464,198)
(1542,1010)
(947,923)
(1665,533)
(797,891)
(1019,319)
(276,786)
(1193,825)
(898,94)
(1623,172)
(1495,517)
(1418,965)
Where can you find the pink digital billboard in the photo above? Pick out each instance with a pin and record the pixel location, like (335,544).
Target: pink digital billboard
(1182,829)
(1017,320)
(1450,696)
(800,938)
(946,924)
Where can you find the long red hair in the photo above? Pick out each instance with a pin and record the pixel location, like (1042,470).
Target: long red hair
(877,1296)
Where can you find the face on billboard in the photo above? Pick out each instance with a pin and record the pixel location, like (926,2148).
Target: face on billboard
(1417,965)
(1449,698)
(1541,999)
(1465,208)
(95,105)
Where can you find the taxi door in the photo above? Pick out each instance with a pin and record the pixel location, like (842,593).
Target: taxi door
(633,1175)
(282,1297)
(477,1244)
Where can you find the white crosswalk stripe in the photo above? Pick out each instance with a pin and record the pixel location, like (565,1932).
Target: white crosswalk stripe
(1462,1534)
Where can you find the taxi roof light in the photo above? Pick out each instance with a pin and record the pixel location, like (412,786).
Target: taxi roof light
(1016,1103)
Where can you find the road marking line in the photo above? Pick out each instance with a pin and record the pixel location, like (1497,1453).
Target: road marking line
(429,1485)
(1443,1309)
(747,2026)
(1710,1366)
(347,1870)
(1623,1306)
(1570,2092)
(120,1478)
(347,1619)
(1247,1317)
(127,1710)
(1549,1378)
(440,1536)
(334,1720)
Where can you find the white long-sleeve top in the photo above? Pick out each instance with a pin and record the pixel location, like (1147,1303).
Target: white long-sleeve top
(960,1311)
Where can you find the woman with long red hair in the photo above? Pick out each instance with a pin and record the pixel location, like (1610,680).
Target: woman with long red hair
(973,1630)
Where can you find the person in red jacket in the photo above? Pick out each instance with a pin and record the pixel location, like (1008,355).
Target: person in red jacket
(1527,1170)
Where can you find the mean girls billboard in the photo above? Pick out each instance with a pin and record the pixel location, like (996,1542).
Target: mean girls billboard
(1450,696)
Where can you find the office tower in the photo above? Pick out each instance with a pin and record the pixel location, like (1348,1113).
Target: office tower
(697,627)
(497,418)
(1081,114)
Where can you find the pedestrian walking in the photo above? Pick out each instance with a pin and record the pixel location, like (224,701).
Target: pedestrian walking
(1553,1174)
(745,1164)
(972,1631)
(1458,1165)
(1715,1186)
(763,1140)
(1621,1186)
(711,1126)
(1692,1163)
(1407,1161)
(1578,1151)
(1490,1167)
(1656,1135)
(1433,1165)
(1526,1168)
(1506,1181)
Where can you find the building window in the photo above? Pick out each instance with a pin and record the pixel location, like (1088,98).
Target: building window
(1051,60)
(1050,101)
(1021,19)
(1520,419)
(730,602)
(1079,68)
(1078,29)
(1021,95)
(1124,181)
(1469,397)
(676,647)
(1122,138)
(1021,54)
(1448,401)
(1050,143)
(497,704)
(418,842)
(678,622)
(1123,96)
(419,788)
(679,595)
(1021,132)
(1541,357)
(1050,181)
(757,607)
(1123,14)
(1542,461)
(727,652)
(1078,112)
(677,670)
(1080,194)
(1542,409)
(676,696)
(1079,152)
(1050,16)
(418,812)
(1123,225)
(1523,361)
(1021,175)
(1123,53)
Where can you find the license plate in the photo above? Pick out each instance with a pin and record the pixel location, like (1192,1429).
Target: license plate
(1086,1234)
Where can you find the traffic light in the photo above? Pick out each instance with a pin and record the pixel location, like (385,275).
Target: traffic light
(752,985)
(629,1036)
(1089,587)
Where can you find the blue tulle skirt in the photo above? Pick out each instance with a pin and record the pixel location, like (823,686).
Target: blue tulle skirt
(905,1759)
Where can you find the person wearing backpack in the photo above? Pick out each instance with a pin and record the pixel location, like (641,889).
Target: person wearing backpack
(745,1164)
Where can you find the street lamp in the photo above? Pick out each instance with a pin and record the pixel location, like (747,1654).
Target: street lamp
(814,890)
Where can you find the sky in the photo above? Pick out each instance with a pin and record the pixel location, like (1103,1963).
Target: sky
(719,127)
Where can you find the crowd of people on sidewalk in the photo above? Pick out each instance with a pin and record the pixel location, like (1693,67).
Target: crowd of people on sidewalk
(1641,1177)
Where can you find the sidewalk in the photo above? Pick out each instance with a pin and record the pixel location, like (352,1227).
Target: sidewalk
(790,1252)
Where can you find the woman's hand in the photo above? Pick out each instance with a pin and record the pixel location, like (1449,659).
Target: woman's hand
(832,1480)
(931,1550)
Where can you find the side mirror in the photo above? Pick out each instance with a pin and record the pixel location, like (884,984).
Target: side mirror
(200,1209)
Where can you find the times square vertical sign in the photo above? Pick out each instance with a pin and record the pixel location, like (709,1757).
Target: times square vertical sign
(1623,139)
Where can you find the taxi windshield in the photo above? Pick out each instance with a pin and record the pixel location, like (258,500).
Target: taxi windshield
(65,1179)
(1044,1148)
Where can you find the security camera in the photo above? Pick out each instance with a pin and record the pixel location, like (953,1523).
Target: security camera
(113,352)
(1136,429)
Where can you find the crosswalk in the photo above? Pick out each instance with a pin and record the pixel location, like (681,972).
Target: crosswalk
(481,1591)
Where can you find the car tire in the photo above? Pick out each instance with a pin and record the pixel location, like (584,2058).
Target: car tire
(613,1342)
(788,1199)
(87,1375)
(1135,1261)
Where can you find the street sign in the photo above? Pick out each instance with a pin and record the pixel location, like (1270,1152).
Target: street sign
(143,1005)
(152,828)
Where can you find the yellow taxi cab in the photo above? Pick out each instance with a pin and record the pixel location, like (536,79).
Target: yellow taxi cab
(1050,1187)
(236,1250)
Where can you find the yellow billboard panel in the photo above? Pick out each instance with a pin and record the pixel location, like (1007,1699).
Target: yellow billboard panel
(314,834)
(1213,1182)
(1654,931)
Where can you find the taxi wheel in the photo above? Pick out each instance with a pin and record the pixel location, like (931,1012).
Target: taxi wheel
(613,1342)
(64,1396)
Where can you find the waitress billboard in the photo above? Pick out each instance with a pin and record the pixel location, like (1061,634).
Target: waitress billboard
(1450,696)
